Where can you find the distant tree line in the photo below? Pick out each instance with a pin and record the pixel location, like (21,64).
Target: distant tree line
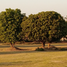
(43,27)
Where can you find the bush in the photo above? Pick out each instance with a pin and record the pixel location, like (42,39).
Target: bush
(63,49)
(39,49)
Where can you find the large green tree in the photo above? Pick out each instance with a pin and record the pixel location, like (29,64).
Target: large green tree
(10,29)
(44,26)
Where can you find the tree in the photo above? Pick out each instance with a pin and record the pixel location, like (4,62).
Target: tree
(10,28)
(44,26)
(24,18)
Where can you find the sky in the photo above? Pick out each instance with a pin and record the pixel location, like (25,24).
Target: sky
(35,6)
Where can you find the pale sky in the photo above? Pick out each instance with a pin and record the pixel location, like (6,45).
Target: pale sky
(35,6)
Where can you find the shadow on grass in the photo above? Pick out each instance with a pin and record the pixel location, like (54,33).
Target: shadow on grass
(5,46)
(15,52)
(14,63)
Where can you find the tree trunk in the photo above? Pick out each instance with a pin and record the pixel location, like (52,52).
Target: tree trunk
(43,44)
(48,45)
(12,45)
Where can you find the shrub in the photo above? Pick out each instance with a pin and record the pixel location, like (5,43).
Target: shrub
(62,49)
(39,49)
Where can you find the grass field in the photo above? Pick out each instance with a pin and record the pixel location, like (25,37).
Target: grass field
(33,58)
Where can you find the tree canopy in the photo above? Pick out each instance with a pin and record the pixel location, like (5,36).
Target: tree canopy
(44,26)
(10,28)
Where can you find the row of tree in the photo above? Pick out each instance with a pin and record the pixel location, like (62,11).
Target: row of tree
(44,26)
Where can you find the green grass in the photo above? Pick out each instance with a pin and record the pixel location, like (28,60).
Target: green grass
(33,58)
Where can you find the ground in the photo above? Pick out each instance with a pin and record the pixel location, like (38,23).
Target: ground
(30,46)
(31,58)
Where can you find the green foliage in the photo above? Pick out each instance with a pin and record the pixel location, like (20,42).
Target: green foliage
(66,27)
(24,18)
(39,49)
(44,26)
(10,28)
(62,49)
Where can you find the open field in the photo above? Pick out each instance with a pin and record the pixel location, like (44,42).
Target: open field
(31,58)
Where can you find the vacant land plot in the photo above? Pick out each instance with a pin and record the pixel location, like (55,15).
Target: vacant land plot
(33,58)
